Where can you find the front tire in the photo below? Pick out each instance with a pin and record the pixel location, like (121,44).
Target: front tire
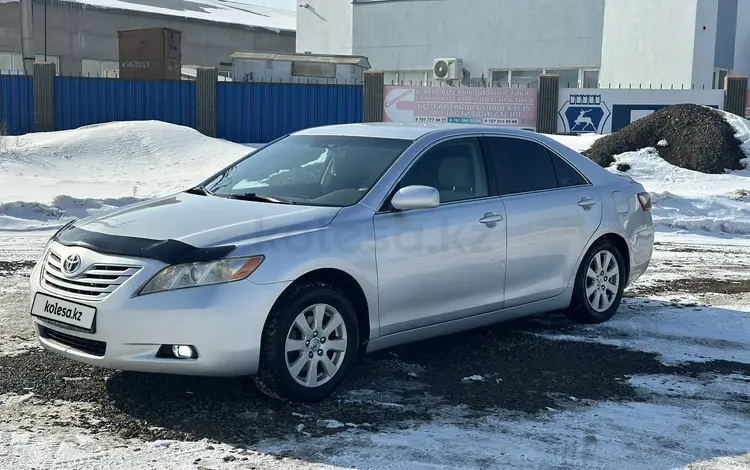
(309,344)
(599,284)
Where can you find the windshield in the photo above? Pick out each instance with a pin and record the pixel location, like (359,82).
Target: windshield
(310,170)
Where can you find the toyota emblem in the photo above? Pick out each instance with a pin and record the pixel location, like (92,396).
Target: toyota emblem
(71,264)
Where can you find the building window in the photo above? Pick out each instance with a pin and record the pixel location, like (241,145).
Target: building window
(516,78)
(719,76)
(569,78)
(525,78)
(11,62)
(590,79)
(500,78)
(100,68)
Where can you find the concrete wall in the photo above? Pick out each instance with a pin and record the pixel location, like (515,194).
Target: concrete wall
(742,44)
(487,34)
(659,43)
(74,34)
(325,27)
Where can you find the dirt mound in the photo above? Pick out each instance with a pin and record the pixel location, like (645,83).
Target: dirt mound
(686,135)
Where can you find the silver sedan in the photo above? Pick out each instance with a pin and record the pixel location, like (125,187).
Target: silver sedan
(337,241)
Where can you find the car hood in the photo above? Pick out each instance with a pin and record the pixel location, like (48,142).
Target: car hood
(205,221)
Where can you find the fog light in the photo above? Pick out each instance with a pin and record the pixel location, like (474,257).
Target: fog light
(182,351)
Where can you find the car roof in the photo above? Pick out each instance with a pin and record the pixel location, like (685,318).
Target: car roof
(406,130)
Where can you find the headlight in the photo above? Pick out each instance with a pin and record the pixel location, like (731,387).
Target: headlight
(182,276)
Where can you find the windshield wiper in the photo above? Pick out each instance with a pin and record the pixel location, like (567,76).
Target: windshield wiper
(260,198)
(200,191)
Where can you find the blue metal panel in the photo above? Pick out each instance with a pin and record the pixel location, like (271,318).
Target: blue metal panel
(261,112)
(82,101)
(726,34)
(16,104)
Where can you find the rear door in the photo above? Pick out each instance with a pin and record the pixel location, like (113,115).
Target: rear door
(552,211)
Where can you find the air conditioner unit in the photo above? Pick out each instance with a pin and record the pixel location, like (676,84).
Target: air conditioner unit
(448,69)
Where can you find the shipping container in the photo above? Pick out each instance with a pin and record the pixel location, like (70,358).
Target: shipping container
(165,69)
(150,44)
(150,54)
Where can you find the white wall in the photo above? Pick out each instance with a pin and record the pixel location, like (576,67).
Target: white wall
(325,27)
(658,43)
(704,44)
(487,34)
(742,46)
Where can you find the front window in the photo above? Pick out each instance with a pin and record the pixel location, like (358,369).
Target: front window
(310,170)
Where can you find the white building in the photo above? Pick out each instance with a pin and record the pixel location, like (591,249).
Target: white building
(657,43)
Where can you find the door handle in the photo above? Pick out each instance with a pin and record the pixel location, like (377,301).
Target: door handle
(586,202)
(491,218)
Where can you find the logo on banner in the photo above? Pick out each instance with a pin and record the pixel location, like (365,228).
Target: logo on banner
(400,104)
(584,113)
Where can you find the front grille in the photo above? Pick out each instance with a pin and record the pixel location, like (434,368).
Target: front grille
(95,283)
(88,346)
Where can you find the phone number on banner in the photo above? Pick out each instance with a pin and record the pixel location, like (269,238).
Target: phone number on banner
(493,121)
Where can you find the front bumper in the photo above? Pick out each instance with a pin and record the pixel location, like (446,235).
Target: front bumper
(224,323)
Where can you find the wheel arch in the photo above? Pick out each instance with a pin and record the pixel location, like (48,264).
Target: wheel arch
(620,243)
(350,287)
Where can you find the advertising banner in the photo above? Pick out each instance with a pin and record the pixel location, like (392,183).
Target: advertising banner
(508,107)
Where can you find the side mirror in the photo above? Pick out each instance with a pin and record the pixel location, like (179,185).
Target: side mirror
(415,197)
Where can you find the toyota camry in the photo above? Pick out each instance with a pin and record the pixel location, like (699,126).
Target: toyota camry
(337,241)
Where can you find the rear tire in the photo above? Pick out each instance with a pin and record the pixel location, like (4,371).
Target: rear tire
(599,284)
(309,344)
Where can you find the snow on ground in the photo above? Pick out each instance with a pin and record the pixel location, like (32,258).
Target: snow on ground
(676,334)
(645,435)
(579,143)
(48,178)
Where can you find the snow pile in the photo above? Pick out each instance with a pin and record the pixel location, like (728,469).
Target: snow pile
(48,178)
(689,200)
(742,127)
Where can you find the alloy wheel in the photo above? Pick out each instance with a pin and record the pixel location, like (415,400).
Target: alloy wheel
(315,345)
(602,281)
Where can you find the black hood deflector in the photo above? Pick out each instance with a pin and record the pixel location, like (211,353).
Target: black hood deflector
(166,251)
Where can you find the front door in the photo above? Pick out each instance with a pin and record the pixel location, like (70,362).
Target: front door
(552,212)
(441,264)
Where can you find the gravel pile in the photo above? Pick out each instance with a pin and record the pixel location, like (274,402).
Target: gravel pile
(686,135)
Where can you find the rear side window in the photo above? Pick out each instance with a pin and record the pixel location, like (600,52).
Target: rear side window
(566,175)
(521,165)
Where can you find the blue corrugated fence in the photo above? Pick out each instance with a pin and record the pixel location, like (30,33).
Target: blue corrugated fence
(16,104)
(246,112)
(261,112)
(81,101)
